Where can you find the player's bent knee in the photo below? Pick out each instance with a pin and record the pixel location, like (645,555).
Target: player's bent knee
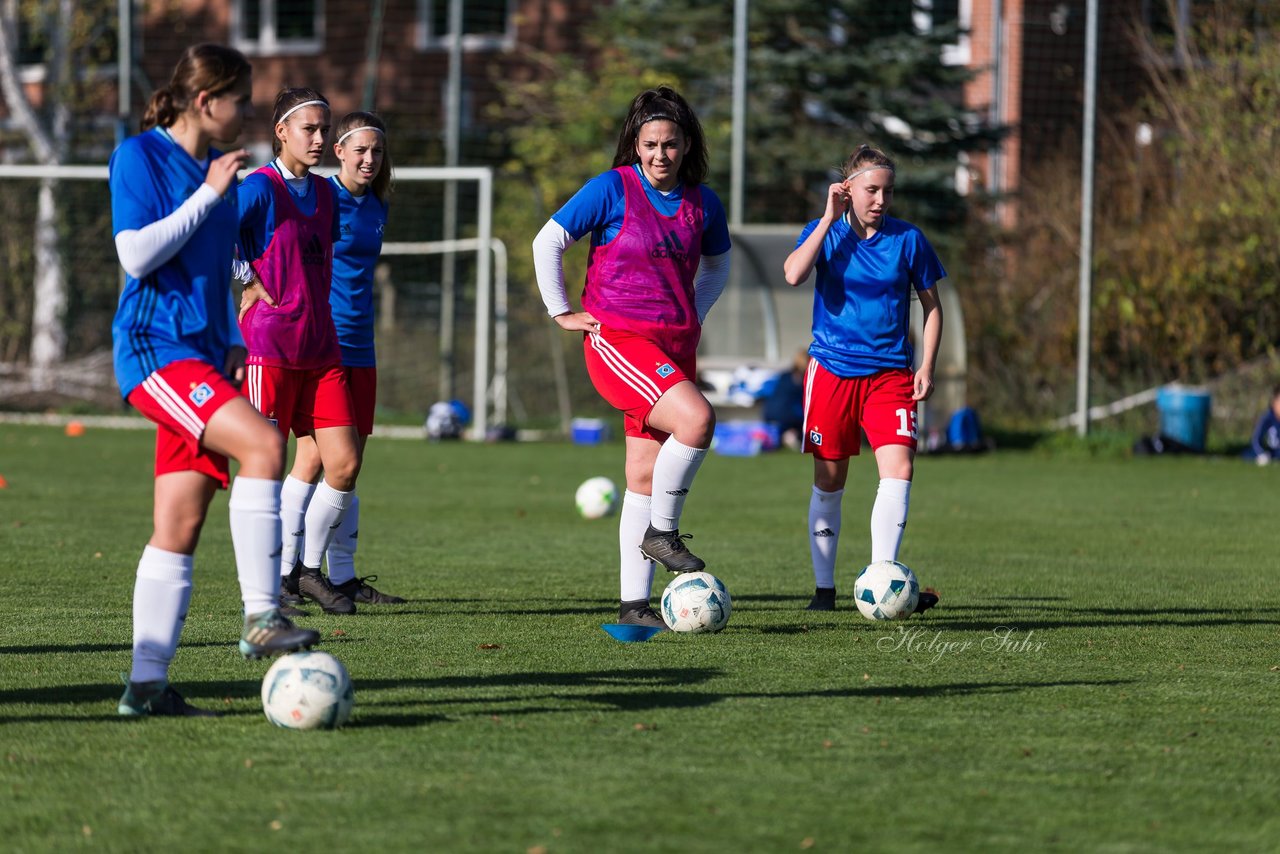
(178,532)
(263,456)
(341,475)
(698,429)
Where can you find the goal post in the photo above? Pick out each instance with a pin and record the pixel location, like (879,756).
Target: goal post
(91,268)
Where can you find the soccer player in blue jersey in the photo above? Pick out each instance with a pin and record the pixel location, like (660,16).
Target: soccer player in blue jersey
(178,357)
(659,260)
(860,375)
(289,224)
(1264,444)
(363,186)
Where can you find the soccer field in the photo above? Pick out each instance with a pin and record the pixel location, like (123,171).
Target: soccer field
(1100,674)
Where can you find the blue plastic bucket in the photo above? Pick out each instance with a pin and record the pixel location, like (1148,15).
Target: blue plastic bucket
(1184,414)
(745,438)
(588,431)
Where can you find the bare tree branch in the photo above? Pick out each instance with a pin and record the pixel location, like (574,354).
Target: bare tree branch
(24,115)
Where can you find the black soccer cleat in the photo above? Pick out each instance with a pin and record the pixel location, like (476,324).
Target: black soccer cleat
(667,548)
(316,587)
(640,614)
(271,633)
(824,599)
(359,590)
(289,592)
(157,699)
(289,610)
(928,598)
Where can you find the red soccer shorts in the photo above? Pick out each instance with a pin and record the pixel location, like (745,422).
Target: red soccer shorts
(631,373)
(363,385)
(180,398)
(838,409)
(300,400)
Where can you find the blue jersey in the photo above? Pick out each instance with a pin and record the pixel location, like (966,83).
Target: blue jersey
(862,300)
(1266,435)
(183,309)
(258,213)
(355,254)
(601,205)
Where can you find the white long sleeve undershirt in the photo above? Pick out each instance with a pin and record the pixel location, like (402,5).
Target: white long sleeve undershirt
(708,284)
(145,249)
(548,265)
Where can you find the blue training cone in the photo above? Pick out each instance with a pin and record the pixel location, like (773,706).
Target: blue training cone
(628,633)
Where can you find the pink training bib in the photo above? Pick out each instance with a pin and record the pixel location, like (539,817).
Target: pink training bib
(642,280)
(296,269)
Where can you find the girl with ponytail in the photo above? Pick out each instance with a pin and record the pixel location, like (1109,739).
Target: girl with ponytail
(178,360)
(863,376)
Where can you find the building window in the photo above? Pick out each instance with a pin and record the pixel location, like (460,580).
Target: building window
(266,27)
(486,25)
(930,15)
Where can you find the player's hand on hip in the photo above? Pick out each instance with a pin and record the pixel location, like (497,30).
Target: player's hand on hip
(923,385)
(223,169)
(234,368)
(580,321)
(252,293)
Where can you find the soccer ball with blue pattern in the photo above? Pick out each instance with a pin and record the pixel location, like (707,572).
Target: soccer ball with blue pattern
(886,590)
(308,690)
(696,602)
(596,498)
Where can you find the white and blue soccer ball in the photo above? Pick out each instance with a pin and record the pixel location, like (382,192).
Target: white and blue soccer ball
(696,602)
(596,498)
(886,590)
(308,690)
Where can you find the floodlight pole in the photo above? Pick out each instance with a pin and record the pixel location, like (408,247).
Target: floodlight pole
(448,278)
(372,53)
(738,150)
(124,67)
(1086,214)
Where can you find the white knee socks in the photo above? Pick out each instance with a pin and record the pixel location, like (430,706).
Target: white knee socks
(342,551)
(673,473)
(889,518)
(324,515)
(824,535)
(255,536)
(161,594)
(294,497)
(635,573)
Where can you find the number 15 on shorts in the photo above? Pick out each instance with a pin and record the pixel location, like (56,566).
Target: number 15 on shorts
(906,422)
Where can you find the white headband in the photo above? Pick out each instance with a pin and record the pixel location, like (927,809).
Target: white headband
(296,107)
(867,169)
(357,130)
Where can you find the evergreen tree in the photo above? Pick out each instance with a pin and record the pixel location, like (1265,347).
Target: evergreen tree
(823,77)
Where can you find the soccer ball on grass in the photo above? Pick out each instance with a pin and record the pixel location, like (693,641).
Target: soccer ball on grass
(596,498)
(696,602)
(307,690)
(886,590)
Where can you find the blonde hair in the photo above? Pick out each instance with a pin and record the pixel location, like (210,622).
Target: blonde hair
(864,158)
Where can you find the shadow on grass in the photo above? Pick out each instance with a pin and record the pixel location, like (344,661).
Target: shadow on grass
(644,701)
(60,649)
(978,617)
(536,693)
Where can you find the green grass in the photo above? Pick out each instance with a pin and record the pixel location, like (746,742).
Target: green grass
(1127,704)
